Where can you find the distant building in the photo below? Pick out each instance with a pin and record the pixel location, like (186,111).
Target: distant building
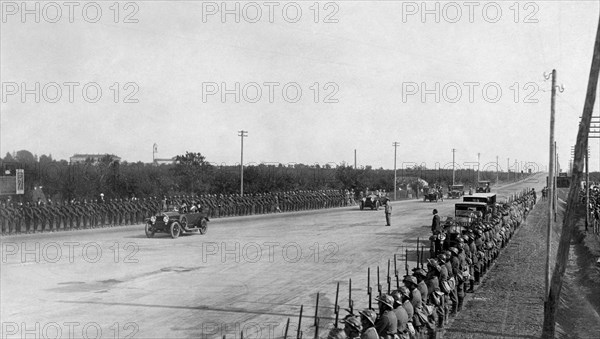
(92,158)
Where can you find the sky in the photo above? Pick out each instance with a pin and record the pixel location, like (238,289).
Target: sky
(314,82)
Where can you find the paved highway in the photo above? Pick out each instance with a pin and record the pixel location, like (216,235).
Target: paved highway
(246,273)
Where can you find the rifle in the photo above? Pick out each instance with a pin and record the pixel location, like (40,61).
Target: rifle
(350,302)
(422,254)
(287,325)
(317,312)
(389,279)
(369,290)
(378,283)
(337,307)
(406,260)
(298,332)
(418,252)
(396,273)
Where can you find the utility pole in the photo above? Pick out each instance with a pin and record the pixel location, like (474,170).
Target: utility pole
(242,134)
(587,188)
(550,184)
(569,220)
(556,171)
(478,158)
(507,169)
(497,168)
(355,158)
(154,151)
(453,151)
(395,144)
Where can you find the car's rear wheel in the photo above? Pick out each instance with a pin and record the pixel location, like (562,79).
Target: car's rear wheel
(203,226)
(184,223)
(362,205)
(149,231)
(175,230)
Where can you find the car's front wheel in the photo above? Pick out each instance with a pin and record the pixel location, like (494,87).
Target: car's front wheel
(149,231)
(175,230)
(203,226)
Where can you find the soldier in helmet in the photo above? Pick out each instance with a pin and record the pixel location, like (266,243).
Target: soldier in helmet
(353,327)
(401,315)
(368,318)
(387,323)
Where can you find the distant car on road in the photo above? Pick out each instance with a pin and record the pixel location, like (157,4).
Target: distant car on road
(432,194)
(483,186)
(456,191)
(176,223)
(372,201)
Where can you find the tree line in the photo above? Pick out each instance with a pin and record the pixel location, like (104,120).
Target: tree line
(191,173)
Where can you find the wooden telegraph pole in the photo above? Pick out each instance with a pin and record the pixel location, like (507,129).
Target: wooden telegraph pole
(550,184)
(395,144)
(242,134)
(569,221)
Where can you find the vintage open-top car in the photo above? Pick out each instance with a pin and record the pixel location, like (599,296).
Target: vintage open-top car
(456,191)
(483,186)
(372,201)
(432,194)
(176,223)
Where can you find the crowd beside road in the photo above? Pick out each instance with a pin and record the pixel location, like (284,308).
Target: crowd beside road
(432,294)
(594,207)
(48,216)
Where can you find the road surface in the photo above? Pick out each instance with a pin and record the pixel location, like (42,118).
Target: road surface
(246,274)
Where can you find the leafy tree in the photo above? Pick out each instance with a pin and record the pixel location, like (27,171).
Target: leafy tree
(192,172)
(25,156)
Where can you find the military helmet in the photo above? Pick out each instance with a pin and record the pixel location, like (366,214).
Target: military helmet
(387,300)
(454,250)
(442,258)
(410,279)
(419,271)
(404,291)
(370,315)
(354,322)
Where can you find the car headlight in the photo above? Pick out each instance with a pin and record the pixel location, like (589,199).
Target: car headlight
(153,219)
(166,219)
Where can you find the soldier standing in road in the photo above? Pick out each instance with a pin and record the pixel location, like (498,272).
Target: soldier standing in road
(436,227)
(388,213)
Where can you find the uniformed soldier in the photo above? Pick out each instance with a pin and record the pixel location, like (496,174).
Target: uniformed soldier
(401,315)
(368,318)
(353,327)
(387,323)
(388,212)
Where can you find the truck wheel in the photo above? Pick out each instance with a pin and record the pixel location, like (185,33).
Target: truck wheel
(175,230)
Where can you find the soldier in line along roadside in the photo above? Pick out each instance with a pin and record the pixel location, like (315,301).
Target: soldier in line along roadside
(109,212)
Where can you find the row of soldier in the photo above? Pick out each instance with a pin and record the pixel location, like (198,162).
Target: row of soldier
(436,291)
(594,206)
(32,217)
